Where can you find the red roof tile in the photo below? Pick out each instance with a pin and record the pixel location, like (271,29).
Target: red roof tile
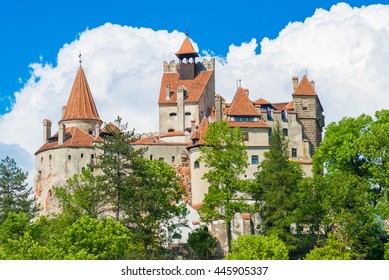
(290,106)
(74,137)
(195,87)
(80,105)
(186,48)
(261,101)
(280,106)
(304,87)
(241,105)
(174,133)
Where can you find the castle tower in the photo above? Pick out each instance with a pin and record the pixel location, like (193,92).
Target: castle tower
(187,93)
(72,148)
(308,110)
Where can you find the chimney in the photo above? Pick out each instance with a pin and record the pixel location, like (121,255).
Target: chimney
(46,130)
(97,130)
(167,92)
(180,109)
(295,81)
(63,110)
(312,83)
(61,134)
(219,107)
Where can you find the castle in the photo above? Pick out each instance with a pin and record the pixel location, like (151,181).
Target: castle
(187,103)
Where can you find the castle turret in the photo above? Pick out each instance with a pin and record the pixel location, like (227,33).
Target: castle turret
(69,150)
(308,110)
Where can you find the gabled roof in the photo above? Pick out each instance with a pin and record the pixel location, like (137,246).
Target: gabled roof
(304,87)
(74,137)
(241,105)
(195,87)
(186,48)
(80,105)
(261,101)
(280,106)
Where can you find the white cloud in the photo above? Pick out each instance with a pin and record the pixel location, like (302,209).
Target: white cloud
(345,50)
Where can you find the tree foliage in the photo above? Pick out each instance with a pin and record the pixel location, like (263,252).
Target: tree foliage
(153,199)
(15,196)
(258,247)
(276,184)
(202,244)
(226,157)
(332,250)
(115,164)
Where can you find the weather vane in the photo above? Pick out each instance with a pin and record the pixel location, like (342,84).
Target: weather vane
(187,32)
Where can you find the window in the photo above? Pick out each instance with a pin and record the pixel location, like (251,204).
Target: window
(269,134)
(151,157)
(173,114)
(50,157)
(92,157)
(284,116)
(305,108)
(254,159)
(269,115)
(294,152)
(82,155)
(170,130)
(188,113)
(245,136)
(196,164)
(69,157)
(285,131)
(161,158)
(173,159)
(41,159)
(90,132)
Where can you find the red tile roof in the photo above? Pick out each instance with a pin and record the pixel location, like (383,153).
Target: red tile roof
(280,106)
(241,105)
(290,106)
(304,87)
(74,137)
(80,105)
(174,133)
(195,87)
(261,101)
(186,48)
(200,132)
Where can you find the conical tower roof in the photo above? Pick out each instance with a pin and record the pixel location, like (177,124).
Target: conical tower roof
(80,105)
(186,49)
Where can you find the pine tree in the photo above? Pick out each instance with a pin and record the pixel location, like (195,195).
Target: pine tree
(115,164)
(277,180)
(14,193)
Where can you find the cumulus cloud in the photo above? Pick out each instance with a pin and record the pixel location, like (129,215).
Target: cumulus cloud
(345,50)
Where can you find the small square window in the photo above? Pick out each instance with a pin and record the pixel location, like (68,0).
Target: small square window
(294,152)
(245,136)
(254,159)
(69,157)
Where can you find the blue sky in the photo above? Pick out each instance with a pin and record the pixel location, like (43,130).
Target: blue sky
(35,30)
(344,48)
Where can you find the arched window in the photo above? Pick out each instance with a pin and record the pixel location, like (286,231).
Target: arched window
(196,164)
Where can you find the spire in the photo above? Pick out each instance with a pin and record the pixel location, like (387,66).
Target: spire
(80,105)
(186,49)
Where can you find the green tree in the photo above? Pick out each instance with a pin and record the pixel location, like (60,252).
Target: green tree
(81,195)
(276,185)
(226,157)
(153,197)
(332,250)
(202,244)
(115,164)
(258,247)
(15,196)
